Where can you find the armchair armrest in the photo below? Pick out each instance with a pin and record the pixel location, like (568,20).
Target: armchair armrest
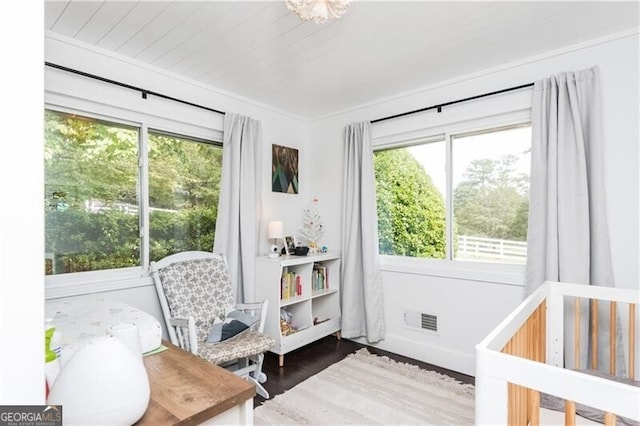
(185,332)
(258,309)
(253,306)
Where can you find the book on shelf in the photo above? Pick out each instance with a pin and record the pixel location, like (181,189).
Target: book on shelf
(319,277)
(290,285)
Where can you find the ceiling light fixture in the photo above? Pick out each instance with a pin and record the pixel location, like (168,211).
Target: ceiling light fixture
(318,11)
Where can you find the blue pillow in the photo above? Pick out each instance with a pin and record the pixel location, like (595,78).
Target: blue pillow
(224,330)
(235,323)
(247,319)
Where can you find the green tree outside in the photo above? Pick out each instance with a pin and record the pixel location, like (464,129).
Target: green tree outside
(91,194)
(411,210)
(493,200)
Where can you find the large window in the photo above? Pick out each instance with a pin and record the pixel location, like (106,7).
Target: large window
(184,185)
(456,196)
(98,204)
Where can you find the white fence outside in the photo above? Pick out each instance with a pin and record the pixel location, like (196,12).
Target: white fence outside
(493,249)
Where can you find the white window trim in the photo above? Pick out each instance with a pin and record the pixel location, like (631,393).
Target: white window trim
(495,273)
(433,133)
(78,283)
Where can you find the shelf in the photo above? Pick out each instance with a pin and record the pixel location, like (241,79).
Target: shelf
(292,260)
(323,292)
(307,335)
(293,300)
(277,277)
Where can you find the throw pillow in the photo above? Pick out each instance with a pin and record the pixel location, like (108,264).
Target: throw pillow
(235,323)
(247,319)
(222,331)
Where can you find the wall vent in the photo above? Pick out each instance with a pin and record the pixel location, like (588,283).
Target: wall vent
(421,320)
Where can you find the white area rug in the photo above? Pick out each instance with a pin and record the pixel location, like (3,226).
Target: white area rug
(370,389)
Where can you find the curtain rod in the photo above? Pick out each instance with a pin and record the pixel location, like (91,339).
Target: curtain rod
(439,106)
(144,92)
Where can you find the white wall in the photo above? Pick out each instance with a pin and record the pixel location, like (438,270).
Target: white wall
(469,309)
(22,214)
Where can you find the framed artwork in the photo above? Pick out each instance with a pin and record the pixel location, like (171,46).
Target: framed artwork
(284,169)
(290,244)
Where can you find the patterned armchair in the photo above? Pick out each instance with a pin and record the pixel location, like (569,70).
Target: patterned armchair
(194,289)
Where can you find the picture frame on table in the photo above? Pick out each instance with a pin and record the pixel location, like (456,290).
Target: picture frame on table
(290,244)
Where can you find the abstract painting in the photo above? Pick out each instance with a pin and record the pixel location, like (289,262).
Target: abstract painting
(284,169)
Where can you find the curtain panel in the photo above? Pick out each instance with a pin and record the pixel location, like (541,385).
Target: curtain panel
(361,277)
(568,237)
(239,206)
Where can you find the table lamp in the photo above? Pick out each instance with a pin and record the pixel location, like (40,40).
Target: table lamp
(275,230)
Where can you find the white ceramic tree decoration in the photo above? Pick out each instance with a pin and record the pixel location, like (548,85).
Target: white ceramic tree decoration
(312,227)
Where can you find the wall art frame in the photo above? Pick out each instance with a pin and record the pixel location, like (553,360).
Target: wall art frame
(284,169)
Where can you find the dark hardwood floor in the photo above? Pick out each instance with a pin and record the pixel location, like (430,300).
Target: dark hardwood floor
(303,363)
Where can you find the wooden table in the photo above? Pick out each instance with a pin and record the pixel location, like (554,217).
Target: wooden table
(187,390)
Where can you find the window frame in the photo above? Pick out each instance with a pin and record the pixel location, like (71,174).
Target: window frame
(77,283)
(497,273)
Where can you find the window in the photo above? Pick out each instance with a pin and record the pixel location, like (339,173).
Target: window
(98,205)
(91,206)
(184,186)
(460,196)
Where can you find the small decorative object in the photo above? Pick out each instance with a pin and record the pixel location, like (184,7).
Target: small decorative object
(312,227)
(104,382)
(301,251)
(318,11)
(284,169)
(325,249)
(285,323)
(290,244)
(275,230)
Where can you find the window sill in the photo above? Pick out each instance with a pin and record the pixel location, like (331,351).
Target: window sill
(78,283)
(501,274)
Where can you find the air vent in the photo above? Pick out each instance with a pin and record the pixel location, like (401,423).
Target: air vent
(421,320)
(429,322)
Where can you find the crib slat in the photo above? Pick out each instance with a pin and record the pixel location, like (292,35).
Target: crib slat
(569,413)
(521,409)
(632,341)
(594,334)
(528,342)
(612,338)
(534,408)
(524,401)
(511,398)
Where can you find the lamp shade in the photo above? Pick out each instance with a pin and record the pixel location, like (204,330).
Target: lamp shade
(275,229)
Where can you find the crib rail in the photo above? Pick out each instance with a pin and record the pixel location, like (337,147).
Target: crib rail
(524,356)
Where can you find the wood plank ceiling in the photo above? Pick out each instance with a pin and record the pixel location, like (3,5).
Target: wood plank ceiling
(262,51)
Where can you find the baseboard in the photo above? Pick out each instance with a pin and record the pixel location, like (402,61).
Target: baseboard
(441,357)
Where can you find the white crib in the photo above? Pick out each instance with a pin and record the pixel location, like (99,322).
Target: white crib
(523,357)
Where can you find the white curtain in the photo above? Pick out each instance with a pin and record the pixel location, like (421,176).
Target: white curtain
(362,299)
(568,237)
(239,206)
